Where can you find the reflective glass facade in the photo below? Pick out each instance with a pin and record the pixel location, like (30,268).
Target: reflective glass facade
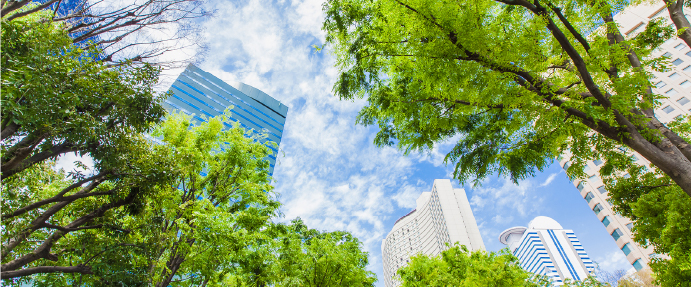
(197,93)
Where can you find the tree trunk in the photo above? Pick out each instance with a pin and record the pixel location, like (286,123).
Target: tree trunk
(676,13)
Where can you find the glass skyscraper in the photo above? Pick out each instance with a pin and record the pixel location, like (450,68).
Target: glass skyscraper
(196,92)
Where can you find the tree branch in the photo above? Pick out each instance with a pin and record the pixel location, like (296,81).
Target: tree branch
(54,151)
(46,269)
(60,196)
(27,12)
(570,27)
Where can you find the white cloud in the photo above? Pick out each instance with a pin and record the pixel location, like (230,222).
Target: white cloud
(612,261)
(68,163)
(407,195)
(509,197)
(549,179)
(478,201)
(331,175)
(502,219)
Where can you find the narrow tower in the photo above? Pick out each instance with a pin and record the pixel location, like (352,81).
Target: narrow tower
(545,248)
(441,216)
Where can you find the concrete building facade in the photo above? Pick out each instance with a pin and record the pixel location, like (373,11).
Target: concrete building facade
(676,86)
(198,93)
(441,216)
(546,248)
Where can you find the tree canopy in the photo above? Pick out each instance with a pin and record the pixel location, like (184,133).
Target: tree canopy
(294,255)
(58,99)
(520,82)
(457,266)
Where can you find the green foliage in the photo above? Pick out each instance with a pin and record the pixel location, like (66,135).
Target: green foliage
(662,220)
(515,81)
(221,199)
(216,198)
(58,97)
(44,215)
(516,84)
(459,267)
(294,255)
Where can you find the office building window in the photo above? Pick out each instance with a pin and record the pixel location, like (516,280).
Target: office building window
(680,47)
(597,208)
(597,162)
(688,68)
(589,197)
(668,109)
(593,178)
(668,55)
(605,221)
(660,13)
(685,84)
(661,84)
(566,165)
(629,225)
(636,30)
(638,265)
(683,100)
(617,234)
(671,92)
(626,248)
(580,186)
(674,76)
(586,168)
(678,61)
(602,189)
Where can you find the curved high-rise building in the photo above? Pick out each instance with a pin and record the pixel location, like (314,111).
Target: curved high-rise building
(196,92)
(546,248)
(441,216)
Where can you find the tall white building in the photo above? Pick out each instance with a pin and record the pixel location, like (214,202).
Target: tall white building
(441,216)
(676,85)
(545,248)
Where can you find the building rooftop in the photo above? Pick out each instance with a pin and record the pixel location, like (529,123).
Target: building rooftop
(544,222)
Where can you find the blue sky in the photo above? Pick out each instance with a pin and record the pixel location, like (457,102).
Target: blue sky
(330,174)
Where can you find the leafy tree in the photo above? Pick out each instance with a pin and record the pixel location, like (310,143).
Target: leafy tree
(215,200)
(294,255)
(58,99)
(517,80)
(457,266)
(660,211)
(520,83)
(124,31)
(643,278)
(220,199)
(675,9)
